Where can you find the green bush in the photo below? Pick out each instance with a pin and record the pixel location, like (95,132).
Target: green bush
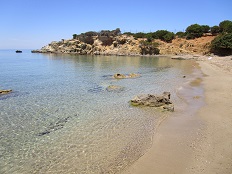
(215,30)
(194,31)
(180,34)
(164,35)
(169,37)
(129,33)
(149,48)
(222,45)
(74,36)
(226,26)
(139,35)
(205,28)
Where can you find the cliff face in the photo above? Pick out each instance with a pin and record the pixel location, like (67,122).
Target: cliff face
(127,45)
(119,45)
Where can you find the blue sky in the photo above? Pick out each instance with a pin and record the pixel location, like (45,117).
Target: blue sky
(34,23)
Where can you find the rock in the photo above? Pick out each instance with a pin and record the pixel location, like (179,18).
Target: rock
(133,75)
(122,76)
(113,88)
(169,108)
(96,52)
(154,101)
(178,58)
(119,76)
(5,91)
(59,124)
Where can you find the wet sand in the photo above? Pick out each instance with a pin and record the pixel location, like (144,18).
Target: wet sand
(202,141)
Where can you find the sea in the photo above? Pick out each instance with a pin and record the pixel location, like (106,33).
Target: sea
(60,117)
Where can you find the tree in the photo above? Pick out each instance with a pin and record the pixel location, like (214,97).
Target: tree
(222,45)
(161,33)
(180,34)
(205,28)
(215,30)
(169,37)
(165,35)
(194,31)
(139,35)
(74,36)
(226,26)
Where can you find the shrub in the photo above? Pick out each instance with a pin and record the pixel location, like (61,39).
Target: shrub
(149,48)
(139,35)
(164,35)
(74,36)
(194,31)
(149,37)
(129,33)
(161,33)
(205,28)
(222,45)
(91,33)
(169,37)
(180,34)
(226,26)
(215,30)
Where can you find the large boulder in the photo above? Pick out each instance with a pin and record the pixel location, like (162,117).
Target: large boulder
(154,101)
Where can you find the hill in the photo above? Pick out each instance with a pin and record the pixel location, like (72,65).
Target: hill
(124,44)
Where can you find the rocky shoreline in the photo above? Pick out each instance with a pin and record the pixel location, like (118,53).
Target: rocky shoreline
(118,45)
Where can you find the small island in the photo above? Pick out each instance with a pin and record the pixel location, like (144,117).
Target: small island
(18,51)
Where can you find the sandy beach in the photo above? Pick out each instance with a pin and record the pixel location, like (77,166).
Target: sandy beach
(200,142)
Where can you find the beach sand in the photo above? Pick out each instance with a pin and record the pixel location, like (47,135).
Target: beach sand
(202,141)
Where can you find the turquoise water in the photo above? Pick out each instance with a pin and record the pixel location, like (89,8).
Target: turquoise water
(61,119)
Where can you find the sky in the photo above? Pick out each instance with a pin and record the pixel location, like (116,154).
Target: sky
(32,24)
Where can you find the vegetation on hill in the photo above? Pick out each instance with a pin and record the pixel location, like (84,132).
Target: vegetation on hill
(149,48)
(222,45)
(196,39)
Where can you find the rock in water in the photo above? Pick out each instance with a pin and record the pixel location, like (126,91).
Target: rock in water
(119,76)
(154,101)
(114,88)
(122,76)
(5,91)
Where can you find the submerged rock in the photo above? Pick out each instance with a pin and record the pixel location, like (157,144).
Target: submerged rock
(114,88)
(154,101)
(59,124)
(122,76)
(169,107)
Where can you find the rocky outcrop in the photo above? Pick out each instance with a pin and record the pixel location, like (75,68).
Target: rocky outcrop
(5,91)
(92,44)
(113,42)
(154,101)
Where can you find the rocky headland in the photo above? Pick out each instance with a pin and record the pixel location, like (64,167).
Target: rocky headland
(114,43)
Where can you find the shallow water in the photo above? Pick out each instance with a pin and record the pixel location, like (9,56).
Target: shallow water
(61,119)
